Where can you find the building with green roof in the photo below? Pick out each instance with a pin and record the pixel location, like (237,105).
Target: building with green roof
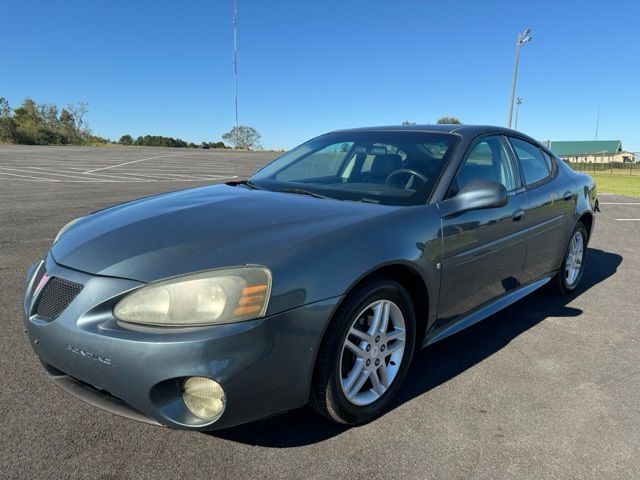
(592,151)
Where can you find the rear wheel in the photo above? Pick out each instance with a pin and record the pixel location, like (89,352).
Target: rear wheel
(572,269)
(365,353)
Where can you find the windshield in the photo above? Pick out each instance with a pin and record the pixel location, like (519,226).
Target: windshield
(386,167)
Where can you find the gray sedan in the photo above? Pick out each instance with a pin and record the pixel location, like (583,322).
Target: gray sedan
(314,282)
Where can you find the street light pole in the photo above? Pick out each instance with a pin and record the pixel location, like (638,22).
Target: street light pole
(518,103)
(235,58)
(523,38)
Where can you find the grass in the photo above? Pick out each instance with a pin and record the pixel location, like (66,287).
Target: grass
(618,183)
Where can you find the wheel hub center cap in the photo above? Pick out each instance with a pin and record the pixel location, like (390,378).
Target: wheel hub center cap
(374,351)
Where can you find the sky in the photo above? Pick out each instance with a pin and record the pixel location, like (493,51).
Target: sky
(308,67)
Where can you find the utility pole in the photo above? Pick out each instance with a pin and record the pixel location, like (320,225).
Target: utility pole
(523,38)
(518,103)
(235,58)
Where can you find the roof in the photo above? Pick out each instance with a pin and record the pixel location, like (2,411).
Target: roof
(451,128)
(585,147)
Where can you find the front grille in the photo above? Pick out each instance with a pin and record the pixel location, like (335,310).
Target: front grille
(57,294)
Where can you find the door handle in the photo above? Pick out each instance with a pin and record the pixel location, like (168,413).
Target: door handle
(518,215)
(567,196)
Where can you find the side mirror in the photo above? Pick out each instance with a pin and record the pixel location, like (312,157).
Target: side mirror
(475,195)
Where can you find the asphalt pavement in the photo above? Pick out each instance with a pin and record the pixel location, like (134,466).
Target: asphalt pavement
(548,388)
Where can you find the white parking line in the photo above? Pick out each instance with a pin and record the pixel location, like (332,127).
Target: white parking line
(31,179)
(106,178)
(97,176)
(627,219)
(136,161)
(82,178)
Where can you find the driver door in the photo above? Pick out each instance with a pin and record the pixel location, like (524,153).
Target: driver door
(483,250)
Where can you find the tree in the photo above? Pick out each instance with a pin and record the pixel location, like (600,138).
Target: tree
(449,121)
(30,126)
(7,125)
(243,137)
(5,109)
(68,127)
(44,124)
(79,110)
(125,140)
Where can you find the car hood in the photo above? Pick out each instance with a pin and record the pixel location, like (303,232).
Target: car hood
(201,228)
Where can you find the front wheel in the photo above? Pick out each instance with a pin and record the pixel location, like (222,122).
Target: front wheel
(365,353)
(572,269)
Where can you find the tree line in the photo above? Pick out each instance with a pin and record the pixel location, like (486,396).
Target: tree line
(47,124)
(440,121)
(160,141)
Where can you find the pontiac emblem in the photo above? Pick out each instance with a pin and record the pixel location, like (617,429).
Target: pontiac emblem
(92,356)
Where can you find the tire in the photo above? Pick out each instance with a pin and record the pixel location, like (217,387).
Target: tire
(337,365)
(564,283)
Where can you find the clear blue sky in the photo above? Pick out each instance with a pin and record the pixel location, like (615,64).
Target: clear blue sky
(306,67)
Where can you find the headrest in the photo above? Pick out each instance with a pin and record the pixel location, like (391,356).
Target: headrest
(383,165)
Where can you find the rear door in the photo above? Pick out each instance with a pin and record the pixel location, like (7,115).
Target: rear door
(552,201)
(483,250)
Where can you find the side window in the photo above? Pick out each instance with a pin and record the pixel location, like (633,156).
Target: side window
(488,160)
(323,163)
(547,159)
(535,166)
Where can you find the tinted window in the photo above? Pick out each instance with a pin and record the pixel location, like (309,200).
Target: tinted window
(488,160)
(325,162)
(534,165)
(366,166)
(547,159)
(388,167)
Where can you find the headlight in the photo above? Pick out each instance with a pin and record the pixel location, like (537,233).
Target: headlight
(207,298)
(66,227)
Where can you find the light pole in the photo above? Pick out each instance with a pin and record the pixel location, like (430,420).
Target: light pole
(235,58)
(518,103)
(523,38)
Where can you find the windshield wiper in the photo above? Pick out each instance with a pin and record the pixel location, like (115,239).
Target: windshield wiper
(301,191)
(246,183)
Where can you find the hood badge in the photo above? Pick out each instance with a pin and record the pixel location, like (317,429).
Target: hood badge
(92,356)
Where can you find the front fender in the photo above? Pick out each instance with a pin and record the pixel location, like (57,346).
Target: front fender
(330,264)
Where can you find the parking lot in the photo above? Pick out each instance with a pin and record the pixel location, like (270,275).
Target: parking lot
(548,388)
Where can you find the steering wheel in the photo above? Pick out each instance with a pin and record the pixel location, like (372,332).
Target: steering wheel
(404,171)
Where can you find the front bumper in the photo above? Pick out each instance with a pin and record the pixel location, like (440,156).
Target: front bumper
(265,365)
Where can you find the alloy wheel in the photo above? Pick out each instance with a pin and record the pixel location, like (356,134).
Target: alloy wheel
(573,262)
(372,352)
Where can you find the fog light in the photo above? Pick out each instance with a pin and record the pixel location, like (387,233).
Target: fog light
(203,397)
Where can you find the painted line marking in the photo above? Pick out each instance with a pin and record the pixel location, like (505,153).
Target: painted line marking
(154,177)
(31,179)
(627,219)
(136,161)
(168,174)
(77,177)
(97,176)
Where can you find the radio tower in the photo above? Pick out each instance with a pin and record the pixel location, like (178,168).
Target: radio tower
(235,57)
